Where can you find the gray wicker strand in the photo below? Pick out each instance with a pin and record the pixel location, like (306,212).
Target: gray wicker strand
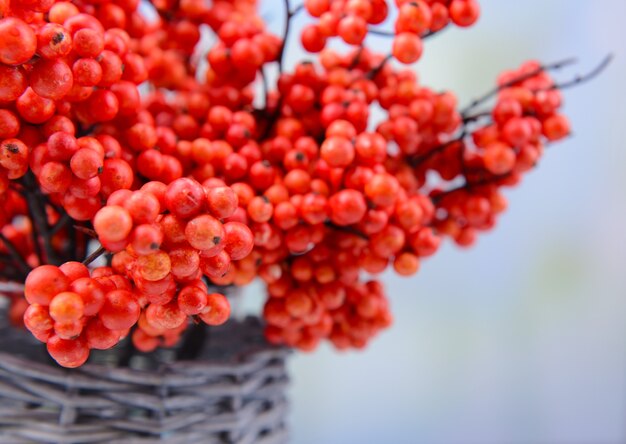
(234,392)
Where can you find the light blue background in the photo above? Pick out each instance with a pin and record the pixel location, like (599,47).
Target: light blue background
(521,339)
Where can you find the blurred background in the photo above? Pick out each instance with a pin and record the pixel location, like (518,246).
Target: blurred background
(521,339)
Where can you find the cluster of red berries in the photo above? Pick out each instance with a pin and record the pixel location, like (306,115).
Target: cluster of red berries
(351,20)
(319,295)
(67,63)
(73,311)
(193,171)
(164,239)
(525,117)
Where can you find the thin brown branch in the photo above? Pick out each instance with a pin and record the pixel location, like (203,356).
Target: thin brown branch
(357,58)
(265,85)
(381,32)
(437,198)
(95,255)
(547,67)
(36,202)
(586,77)
(378,68)
(384,33)
(289,14)
(475,117)
(88,231)
(345,229)
(417,160)
(63,221)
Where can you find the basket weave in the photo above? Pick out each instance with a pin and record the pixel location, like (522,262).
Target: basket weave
(234,392)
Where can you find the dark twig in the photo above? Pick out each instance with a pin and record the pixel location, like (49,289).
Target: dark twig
(577,80)
(297,9)
(383,33)
(95,255)
(581,78)
(357,58)
(80,242)
(15,255)
(85,131)
(36,202)
(378,68)
(61,223)
(36,239)
(349,230)
(468,186)
(9,273)
(417,160)
(71,244)
(289,14)
(586,77)
(88,231)
(475,117)
(548,67)
(380,32)
(266,90)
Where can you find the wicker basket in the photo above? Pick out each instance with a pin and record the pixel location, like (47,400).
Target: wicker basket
(232,392)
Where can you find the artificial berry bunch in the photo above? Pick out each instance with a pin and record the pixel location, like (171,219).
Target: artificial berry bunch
(191,167)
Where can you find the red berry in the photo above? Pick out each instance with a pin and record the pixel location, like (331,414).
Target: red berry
(18,41)
(217,310)
(205,233)
(407,47)
(499,158)
(100,337)
(37,319)
(113,223)
(66,307)
(347,207)
(337,151)
(120,310)
(192,300)
(91,293)
(238,240)
(464,12)
(53,41)
(185,198)
(44,283)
